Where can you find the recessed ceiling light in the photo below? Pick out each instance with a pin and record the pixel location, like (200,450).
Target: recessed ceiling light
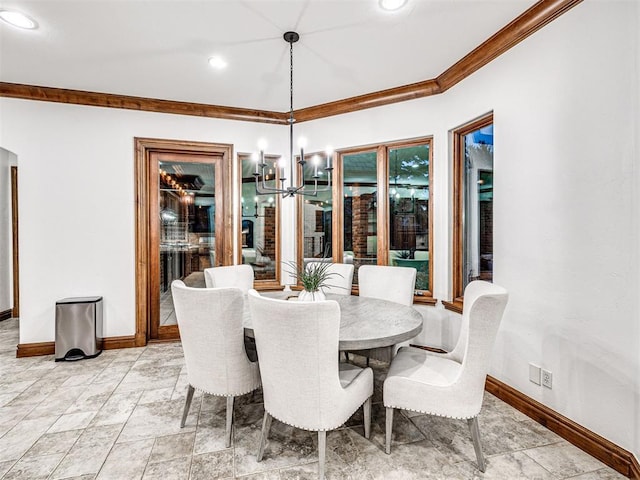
(18,19)
(218,63)
(392,5)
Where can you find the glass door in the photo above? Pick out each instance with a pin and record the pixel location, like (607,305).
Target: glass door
(185,216)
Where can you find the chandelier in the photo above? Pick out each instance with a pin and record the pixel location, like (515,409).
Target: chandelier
(259,174)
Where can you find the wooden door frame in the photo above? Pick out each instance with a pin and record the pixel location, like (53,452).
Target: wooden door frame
(144,147)
(14,236)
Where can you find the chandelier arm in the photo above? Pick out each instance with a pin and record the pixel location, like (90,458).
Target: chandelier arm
(264,190)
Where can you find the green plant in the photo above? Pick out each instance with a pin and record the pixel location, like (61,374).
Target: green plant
(313,276)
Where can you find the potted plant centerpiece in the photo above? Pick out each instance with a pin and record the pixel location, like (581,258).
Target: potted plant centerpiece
(313,277)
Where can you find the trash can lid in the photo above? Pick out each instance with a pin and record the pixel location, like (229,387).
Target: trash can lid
(79,300)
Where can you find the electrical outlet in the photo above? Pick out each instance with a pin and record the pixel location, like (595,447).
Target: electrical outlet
(547,378)
(534,373)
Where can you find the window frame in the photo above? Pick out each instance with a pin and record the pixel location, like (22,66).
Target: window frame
(382,199)
(271,284)
(457,254)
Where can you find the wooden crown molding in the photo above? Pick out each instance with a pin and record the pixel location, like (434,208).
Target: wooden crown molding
(599,447)
(532,20)
(108,100)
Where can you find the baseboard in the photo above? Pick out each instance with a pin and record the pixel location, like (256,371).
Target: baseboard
(599,447)
(110,343)
(49,348)
(6,314)
(35,349)
(635,468)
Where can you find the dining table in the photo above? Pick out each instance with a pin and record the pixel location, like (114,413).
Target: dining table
(365,323)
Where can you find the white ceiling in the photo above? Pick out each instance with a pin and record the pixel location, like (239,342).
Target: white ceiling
(159,48)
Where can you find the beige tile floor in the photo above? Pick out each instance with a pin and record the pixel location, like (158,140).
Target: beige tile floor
(118,417)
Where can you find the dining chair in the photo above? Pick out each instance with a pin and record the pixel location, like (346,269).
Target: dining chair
(240,276)
(395,284)
(210,322)
(341,279)
(315,392)
(450,384)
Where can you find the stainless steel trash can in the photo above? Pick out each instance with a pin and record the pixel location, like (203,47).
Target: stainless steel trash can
(78,328)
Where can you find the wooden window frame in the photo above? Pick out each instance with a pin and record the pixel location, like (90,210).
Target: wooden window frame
(261,285)
(299,215)
(382,199)
(457,257)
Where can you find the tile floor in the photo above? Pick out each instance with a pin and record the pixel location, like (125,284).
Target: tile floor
(118,417)
(167,310)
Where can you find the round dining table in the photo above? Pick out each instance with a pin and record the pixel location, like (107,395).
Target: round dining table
(365,323)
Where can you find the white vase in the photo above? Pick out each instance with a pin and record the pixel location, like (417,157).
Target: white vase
(307,296)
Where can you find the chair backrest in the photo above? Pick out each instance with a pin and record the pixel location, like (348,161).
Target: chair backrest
(239,276)
(342,279)
(395,284)
(484,305)
(210,322)
(297,345)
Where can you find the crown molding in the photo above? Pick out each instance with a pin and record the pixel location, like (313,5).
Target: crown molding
(520,28)
(369,100)
(109,100)
(529,22)
(532,20)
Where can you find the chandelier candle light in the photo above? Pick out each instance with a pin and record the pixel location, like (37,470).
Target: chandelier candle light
(291,190)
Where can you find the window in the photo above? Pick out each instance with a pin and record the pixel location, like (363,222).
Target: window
(315,213)
(378,213)
(259,235)
(359,187)
(473,206)
(409,212)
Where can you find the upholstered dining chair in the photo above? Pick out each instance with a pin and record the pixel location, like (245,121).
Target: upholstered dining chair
(240,276)
(395,284)
(341,280)
(315,392)
(450,384)
(210,322)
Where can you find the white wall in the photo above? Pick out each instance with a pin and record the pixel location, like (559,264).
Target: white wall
(566,240)
(7,160)
(566,234)
(77,204)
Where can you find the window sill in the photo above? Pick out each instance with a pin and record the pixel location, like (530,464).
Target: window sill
(455,305)
(424,300)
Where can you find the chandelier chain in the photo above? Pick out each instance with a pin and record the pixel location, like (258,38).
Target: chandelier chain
(289,191)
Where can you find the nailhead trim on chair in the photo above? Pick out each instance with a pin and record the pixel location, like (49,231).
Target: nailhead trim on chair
(432,413)
(227,394)
(319,429)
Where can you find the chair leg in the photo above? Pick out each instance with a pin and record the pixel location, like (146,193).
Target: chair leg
(475,436)
(346,356)
(187,405)
(388,428)
(322,450)
(366,408)
(367,361)
(229,420)
(266,426)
